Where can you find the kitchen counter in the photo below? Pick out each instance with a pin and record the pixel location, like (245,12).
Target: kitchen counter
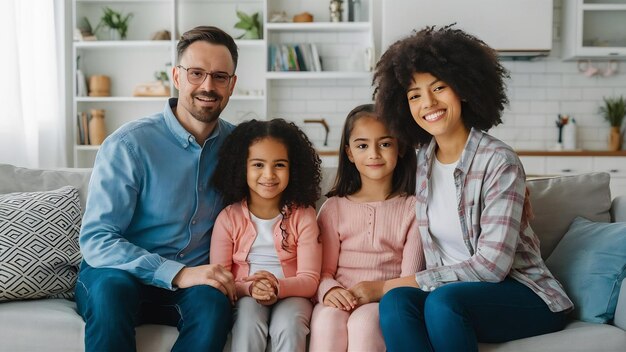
(533,153)
(570,153)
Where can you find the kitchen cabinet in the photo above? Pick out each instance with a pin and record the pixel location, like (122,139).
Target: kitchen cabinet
(513,27)
(594,29)
(346,50)
(552,165)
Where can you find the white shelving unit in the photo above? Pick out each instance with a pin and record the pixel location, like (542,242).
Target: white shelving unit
(594,29)
(345,48)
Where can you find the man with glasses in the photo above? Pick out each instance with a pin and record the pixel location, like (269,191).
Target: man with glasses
(150,212)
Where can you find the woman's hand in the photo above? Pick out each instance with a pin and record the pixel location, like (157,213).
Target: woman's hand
(340,298)
(367,291)
(264,287)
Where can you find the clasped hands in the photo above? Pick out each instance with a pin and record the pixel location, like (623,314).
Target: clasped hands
(264,287)
(349,299)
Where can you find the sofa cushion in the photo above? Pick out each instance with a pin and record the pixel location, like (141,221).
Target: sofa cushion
(590,263)
(557,201)
(39,251)
(19,179)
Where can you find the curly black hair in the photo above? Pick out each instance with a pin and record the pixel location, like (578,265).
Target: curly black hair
(348,179)
(468,65)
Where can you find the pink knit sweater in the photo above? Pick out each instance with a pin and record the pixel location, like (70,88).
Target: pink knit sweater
(368,241)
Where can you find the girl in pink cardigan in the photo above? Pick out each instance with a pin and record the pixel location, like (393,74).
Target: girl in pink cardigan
(369,232)
(269,174)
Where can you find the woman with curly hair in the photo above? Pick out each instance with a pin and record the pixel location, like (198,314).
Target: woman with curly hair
(485,281)
(269,174)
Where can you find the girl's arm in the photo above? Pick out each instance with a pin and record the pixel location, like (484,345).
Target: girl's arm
(331,248)
(413,253)
(308,258)
(222,245)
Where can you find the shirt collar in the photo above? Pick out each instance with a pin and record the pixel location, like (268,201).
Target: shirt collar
(469,151)
(178,131)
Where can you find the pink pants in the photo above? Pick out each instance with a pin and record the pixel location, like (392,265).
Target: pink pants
(333,329)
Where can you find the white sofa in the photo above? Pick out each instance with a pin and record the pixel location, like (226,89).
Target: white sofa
(54,325)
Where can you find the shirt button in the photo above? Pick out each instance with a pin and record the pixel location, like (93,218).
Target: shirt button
(181,255)
(193,222)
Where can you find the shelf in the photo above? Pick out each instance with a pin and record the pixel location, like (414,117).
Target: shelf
(247,97)
(120,1)
(125,44)
(604,7)
(120,99)
(318,75)
(90,148)
(320,26)
(250,43)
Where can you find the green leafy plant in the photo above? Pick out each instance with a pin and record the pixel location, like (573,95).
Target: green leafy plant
(114,20)
(250,24)
(161,76)
(614,110)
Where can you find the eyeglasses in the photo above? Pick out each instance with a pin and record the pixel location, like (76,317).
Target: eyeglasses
(197,76)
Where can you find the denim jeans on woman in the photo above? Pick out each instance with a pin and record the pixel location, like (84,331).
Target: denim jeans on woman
(456,316)
(113,302)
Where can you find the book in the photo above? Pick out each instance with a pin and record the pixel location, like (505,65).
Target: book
(317,61)
(84,120)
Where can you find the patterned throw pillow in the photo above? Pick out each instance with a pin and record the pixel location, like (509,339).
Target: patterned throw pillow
(39,251)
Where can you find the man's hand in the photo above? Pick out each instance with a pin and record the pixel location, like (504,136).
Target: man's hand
(340,298)
(210,274)
(264,287)
(367,291)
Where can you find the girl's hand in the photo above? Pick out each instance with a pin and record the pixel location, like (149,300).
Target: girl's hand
(367,291)
(264,287)
(340,298)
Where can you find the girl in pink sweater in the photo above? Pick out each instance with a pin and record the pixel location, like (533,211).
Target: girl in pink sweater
(267,236)
(369,232)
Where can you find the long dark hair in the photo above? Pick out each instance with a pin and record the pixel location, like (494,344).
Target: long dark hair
(303,189)
(348,179)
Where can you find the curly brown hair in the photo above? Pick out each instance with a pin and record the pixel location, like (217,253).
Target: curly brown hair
(230,177)
(468,65)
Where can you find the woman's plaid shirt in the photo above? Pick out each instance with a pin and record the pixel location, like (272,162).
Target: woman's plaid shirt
(490,184)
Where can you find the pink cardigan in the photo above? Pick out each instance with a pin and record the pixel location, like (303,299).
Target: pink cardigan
(368,242)
(234,233)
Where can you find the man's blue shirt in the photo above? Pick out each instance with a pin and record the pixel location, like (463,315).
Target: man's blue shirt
(151,208)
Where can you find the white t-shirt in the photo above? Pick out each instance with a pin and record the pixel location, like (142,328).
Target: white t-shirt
(443,218)
(263,254)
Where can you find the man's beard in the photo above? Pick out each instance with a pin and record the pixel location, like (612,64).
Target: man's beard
(205,114)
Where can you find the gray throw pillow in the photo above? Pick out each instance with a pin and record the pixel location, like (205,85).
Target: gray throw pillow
(39,251)
(557,201)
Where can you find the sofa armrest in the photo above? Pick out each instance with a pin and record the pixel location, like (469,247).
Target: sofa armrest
(620,311)
(618,209)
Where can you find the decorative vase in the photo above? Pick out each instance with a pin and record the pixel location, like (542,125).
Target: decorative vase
(114,34)
(97,128)
(99,86)
(615,137)
(336,10)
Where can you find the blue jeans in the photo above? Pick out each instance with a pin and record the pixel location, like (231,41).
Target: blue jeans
(113,302)
(456,316)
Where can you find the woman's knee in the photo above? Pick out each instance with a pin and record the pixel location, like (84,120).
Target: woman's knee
(398,301)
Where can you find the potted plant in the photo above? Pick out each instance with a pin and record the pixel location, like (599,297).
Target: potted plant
(115,21)
(250,24)
(614,111)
